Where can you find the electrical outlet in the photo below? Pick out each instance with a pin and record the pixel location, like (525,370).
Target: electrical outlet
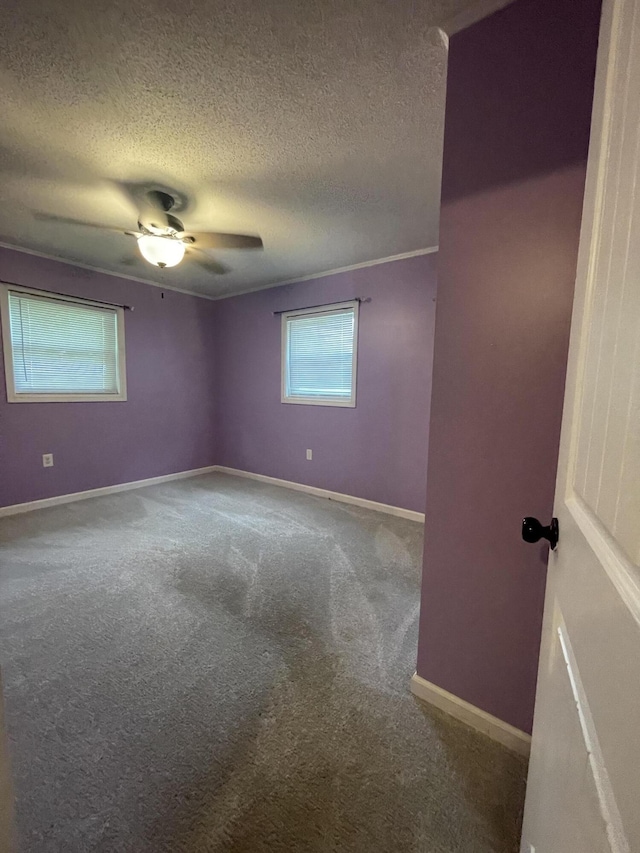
(309,455)
(47,460)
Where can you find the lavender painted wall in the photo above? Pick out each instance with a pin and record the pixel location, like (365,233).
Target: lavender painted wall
(519,96)
(167,423)
(375,451)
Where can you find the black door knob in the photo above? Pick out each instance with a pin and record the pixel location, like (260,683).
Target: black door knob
(533,531)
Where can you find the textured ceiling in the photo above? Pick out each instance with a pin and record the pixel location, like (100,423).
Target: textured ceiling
(317,125)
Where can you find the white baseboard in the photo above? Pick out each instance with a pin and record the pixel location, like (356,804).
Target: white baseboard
(504,733)
(180,475)
(105,490)
(412,515)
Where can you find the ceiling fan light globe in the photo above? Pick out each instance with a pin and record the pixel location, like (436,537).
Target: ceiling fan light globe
(161,251)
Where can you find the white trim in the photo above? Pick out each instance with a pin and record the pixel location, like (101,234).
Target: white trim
(496,729)
(337,307)
(416,253)
(102,271)
(74,397)
(57,297)
(319,401)
(467,17)
(412,515)
(15,509)
(373,263)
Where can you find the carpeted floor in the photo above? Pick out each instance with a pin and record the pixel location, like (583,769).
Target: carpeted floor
(219,665)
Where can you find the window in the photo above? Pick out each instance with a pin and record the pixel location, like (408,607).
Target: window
(319,355)
(57,348)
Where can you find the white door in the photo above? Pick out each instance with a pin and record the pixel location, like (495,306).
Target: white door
(583,792)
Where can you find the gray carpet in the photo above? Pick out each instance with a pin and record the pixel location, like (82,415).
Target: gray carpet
(219,665)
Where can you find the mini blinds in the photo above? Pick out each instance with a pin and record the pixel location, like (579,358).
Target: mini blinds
(319,349)
(63,348)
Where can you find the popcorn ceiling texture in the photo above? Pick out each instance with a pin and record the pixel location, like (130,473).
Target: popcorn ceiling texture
(317,125)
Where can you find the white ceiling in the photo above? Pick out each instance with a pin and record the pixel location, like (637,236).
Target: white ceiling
(317,125)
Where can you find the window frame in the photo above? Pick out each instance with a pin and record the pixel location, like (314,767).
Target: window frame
(65,397)
(344,403)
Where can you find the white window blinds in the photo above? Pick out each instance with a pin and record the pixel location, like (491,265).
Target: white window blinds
(62,348)
(319,356)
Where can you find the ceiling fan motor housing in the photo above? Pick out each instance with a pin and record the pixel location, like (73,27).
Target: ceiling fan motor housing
(161,200)
(162,225)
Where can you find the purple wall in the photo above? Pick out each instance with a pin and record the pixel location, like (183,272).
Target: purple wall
(181,414)
(518,109)
(167,423)
(375,451)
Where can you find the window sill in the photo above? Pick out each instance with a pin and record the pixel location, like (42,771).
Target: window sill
(310,401)
(66,398)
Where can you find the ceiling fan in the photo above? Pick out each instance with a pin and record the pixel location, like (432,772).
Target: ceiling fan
(162,238)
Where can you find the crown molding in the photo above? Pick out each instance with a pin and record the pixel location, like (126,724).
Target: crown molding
(363,265)
(82,266)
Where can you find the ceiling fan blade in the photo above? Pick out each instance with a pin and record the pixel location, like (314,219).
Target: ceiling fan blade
(207,263)
(152,216)
(67,220)
(215,240)
(159,200)
(150,205)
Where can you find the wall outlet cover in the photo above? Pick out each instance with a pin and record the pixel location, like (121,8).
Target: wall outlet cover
(47,460)
(309,455)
